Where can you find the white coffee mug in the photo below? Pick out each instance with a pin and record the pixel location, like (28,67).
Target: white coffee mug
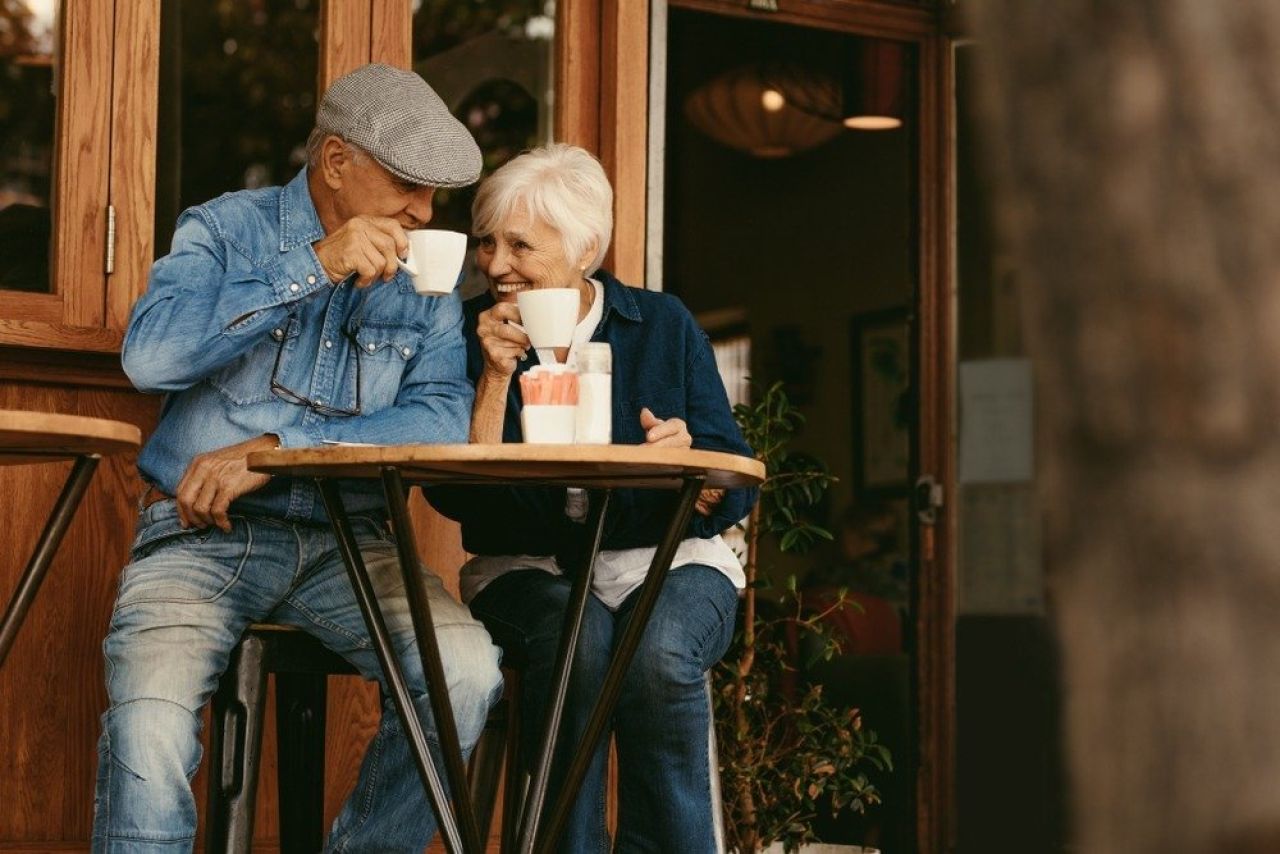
(548,315)
(435,259)
(548,424)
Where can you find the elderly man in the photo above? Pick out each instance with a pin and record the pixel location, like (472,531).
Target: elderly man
(279,319)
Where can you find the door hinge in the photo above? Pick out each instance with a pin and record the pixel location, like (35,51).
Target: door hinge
(111,239)
(929,497)
(928,501)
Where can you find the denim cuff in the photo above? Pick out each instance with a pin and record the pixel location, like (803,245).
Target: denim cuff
(297,437)
(298,274)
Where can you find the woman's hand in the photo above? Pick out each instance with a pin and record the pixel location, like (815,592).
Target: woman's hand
(503,345)
(671,433)
(674,433)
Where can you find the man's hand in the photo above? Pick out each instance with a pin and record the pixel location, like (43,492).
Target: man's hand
(671,433)
(215,479)
(502,344)
(368,246)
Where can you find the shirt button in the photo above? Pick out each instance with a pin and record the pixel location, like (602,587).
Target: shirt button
(277,332)
(319,402)
(405,351)
(328,344)
(372,347)
(295,287)
(311,280)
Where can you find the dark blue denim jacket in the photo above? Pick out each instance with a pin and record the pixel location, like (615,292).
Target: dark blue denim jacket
(662,360)
(242,297)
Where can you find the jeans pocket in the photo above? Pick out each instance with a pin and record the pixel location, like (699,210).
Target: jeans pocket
(184,566)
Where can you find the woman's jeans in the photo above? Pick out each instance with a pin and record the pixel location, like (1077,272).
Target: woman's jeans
(662,717)
(185,599)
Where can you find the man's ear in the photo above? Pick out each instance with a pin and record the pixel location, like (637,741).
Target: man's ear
(335,158)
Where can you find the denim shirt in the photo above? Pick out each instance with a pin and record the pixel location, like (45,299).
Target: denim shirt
(661,360)
(241,287)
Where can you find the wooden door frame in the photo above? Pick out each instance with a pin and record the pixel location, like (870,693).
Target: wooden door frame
(934,676)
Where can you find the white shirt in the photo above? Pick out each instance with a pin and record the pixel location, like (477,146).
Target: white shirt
(618,572)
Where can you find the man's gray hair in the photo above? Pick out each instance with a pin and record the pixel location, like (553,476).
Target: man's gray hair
(315,144)
(562,185)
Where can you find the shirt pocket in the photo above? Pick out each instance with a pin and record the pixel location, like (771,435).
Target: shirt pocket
(385,353)
(247,380)
(666,403)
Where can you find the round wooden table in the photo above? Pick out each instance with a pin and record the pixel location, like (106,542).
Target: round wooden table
(41,437)
(600,469)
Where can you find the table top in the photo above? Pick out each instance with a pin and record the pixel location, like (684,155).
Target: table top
(39,437)
(560,465)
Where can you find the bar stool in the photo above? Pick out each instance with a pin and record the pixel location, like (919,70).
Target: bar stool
(302,666)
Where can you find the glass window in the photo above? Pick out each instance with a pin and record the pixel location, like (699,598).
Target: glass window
(492,64)
(237,99)
(27,108)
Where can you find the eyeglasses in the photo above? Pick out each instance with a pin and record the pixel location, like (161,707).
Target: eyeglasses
(284,393)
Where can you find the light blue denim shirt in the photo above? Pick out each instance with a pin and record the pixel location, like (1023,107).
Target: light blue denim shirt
(242,286)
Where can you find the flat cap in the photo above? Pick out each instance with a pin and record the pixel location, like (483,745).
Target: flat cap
(402,123)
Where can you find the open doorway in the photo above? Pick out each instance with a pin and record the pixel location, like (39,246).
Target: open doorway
(796,248)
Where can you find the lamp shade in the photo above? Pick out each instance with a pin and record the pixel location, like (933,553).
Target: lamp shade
(742,109)
(871,96)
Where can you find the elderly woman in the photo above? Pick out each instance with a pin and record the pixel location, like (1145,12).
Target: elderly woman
(544,221)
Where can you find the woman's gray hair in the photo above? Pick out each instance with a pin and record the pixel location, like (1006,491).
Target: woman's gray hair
(562,185)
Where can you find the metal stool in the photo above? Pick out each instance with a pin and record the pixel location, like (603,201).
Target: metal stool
(301,665)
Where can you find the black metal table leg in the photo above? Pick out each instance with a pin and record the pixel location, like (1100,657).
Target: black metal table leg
(532,808)
(59,520)
(381,639)
(429,651)
(618,665)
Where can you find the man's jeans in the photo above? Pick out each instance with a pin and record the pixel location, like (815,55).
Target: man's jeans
(187,596)
(661,722)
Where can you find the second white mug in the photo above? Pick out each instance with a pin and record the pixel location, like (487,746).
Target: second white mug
(548,315)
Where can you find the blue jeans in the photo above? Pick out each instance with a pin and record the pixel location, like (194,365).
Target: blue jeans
(662,717)
(187,596)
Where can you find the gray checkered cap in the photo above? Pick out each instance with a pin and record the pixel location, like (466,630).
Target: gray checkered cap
(395,116)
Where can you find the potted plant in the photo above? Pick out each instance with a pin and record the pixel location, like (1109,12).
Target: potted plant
(784,753)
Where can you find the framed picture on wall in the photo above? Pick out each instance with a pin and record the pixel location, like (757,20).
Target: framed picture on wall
(880,344)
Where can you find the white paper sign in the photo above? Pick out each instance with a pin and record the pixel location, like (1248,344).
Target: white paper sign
(995,421)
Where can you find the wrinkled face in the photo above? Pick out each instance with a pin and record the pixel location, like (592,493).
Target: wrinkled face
(524,253)
(367,188)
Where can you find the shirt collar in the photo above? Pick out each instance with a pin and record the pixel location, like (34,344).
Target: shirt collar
(618,298)
(299,222)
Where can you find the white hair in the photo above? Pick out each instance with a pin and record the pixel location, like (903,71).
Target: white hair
(562,185)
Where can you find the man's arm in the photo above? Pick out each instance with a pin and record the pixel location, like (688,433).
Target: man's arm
(206,304)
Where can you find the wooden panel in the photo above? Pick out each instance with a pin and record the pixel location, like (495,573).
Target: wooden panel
(392,33)
(133,153)
(60,368)
(577,107)
(80,165)
(624,99)
(42,308)
(57,336)
(51,688)
(344,38)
